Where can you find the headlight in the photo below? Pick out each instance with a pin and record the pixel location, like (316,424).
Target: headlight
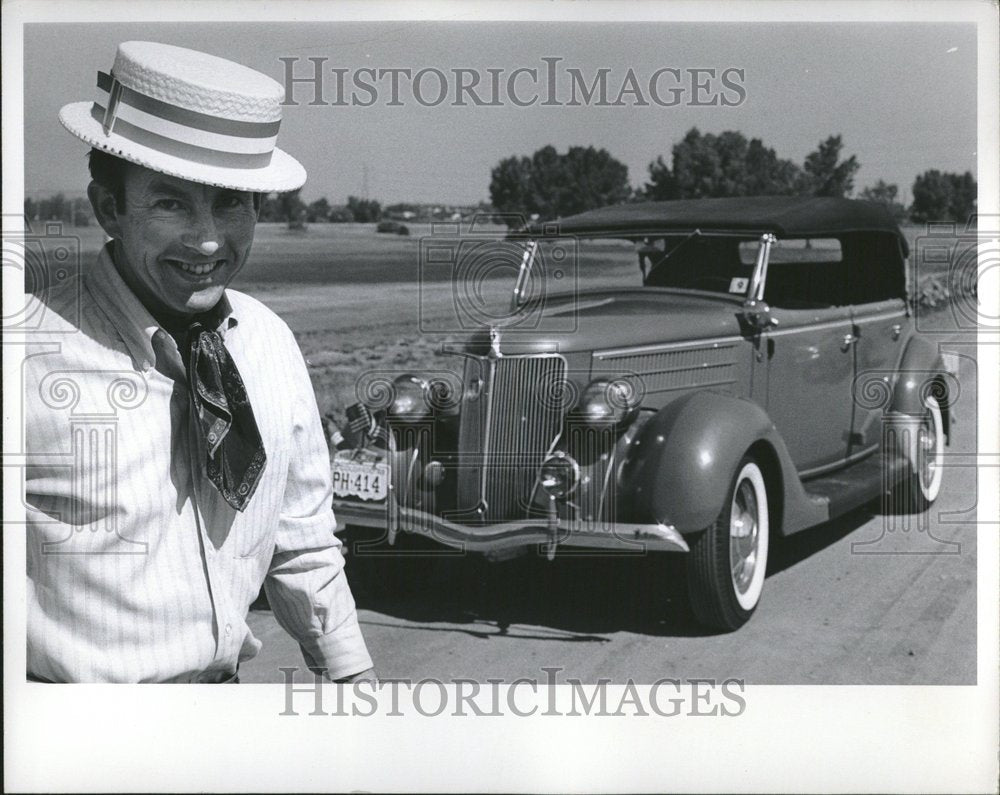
(559,475)
(410,398)
(607,401)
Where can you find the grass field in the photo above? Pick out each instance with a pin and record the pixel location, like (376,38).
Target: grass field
(360,301)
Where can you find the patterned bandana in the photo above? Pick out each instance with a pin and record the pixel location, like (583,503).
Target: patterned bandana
(235,451)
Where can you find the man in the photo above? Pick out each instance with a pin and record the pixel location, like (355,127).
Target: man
(176,457)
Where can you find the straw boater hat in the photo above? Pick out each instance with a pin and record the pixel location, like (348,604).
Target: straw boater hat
(190,115)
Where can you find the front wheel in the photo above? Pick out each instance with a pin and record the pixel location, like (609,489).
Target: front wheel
(728,561)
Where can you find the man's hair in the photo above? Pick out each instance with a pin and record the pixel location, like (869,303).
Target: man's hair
(108,171)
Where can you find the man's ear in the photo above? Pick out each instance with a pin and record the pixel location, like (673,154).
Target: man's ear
(103,203)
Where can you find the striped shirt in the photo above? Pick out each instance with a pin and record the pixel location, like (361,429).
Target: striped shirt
(138,570)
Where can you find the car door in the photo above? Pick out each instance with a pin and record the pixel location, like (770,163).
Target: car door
(880,329)
(876,283)
(810,357)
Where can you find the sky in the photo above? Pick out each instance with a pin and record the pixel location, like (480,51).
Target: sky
(902,95)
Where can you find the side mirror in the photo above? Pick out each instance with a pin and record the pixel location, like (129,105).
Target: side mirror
(756,315)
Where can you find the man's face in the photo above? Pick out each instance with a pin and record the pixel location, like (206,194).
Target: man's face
(182,241)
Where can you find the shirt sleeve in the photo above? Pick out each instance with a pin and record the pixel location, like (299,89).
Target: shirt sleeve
(306,585)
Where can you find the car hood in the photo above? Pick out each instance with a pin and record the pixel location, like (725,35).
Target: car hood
(601,320)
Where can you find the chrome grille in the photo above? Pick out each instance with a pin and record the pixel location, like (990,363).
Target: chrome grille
(505,431)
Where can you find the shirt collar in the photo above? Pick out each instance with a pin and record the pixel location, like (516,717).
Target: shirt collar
(127,314)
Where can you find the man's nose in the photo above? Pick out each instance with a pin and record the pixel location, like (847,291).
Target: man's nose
(203,235)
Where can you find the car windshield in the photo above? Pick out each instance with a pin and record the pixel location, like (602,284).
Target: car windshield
(698,262)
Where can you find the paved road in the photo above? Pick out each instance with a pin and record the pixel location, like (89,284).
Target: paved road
(844,603)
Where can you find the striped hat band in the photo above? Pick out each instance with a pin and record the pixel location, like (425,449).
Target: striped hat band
(181,132)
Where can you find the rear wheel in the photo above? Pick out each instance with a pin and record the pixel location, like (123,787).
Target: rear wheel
(728,561)
(925,463)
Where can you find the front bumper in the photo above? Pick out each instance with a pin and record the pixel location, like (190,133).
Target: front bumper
(552,532)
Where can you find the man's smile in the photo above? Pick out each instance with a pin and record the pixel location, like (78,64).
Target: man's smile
(195,268)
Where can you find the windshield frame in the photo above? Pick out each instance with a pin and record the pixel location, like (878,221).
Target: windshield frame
(755,289)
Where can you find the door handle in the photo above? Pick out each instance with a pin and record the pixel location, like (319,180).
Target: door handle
(897,329)
(849,339)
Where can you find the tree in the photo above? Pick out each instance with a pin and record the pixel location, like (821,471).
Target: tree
(943,196)
(55,208)
(964,198)
(825,174)
(727,164)
(364,210)
(318,210)
(510,185)
(592,178)
(283,208)
(768,174)
(661,185)
(885,193)
(340,215)
(551,184)
(82,212)
(268,208)
(292,209)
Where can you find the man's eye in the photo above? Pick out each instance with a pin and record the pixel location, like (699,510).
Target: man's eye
(167,204)
(231,201)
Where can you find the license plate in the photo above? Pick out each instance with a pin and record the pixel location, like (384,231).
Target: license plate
(364,479)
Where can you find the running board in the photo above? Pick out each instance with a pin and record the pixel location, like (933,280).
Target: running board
(855,485)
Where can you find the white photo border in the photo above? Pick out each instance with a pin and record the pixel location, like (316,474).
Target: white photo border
(790,738)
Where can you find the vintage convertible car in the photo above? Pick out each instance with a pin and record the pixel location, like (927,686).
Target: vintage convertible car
(765,377)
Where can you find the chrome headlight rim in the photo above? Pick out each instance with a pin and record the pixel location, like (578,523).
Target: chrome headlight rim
(566,460)
(420,407)
(608,401)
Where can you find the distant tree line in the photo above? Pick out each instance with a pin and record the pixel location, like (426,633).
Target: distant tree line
(550,184)
(289,208)
(71,212)
(286,208)
(704,165)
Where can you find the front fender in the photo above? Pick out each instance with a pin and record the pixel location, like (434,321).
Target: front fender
(679,468)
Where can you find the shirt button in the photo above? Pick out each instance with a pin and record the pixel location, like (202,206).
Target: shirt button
(145,366)
(229,630)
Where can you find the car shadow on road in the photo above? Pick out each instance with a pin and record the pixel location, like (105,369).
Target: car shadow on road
(577,597)
(787,552)
(572,598)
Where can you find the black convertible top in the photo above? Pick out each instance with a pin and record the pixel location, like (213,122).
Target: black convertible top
(784,216)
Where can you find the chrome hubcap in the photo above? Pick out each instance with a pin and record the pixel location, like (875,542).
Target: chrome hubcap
(744,535)
(926,450)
